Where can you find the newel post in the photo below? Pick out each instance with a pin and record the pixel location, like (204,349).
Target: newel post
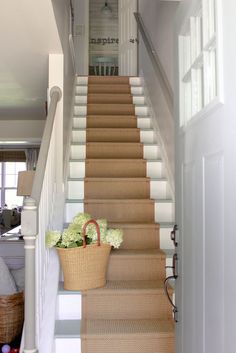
(29,230)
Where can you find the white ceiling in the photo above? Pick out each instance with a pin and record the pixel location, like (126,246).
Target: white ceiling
(28,34)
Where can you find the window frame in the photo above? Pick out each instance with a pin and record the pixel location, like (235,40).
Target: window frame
(199,38)
(3,186)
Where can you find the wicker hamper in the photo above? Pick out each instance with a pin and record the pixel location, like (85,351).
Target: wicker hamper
(11,316)
(85,267)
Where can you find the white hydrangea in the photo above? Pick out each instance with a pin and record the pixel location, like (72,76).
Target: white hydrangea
(72,236)
(80,219)
(91,231)
(69,237)
(52,238)
(114,237)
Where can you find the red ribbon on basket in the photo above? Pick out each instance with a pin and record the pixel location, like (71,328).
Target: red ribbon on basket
(84,232)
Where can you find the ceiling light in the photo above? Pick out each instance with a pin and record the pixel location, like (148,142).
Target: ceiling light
(106,9)
(13,142)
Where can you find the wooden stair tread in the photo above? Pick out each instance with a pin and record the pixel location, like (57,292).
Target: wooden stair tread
(138,253)
(101,88)
(113,116)
(103,109)
(108,96)
(110,129)
(116,179)
(72,328)
(134,225)
(124,328)
(125,201)
(108,79)
(129,286)
(126,144)
(125,160)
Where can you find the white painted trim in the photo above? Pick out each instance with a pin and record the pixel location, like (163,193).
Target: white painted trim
(47,333)
(68,142)
(155,125)
(86,39)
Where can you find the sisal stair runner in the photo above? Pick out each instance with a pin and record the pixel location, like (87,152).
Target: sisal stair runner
(131,313)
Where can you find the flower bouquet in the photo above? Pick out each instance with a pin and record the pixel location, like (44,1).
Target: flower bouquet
(84,249)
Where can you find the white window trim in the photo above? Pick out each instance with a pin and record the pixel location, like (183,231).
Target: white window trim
(186,76)
(3,186)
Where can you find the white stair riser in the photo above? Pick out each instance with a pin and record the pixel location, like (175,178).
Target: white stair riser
(77,170)
(79,136)
(163,211)
(141,111)
(159,189)
(137,90)
(82,80)
(154,169)
(72,209)
(83,98)
(138,100)
(165,241)
(63,345)
(142,123)
(80,110)
(149,152)
(135,81)
(75,189)
(79,123)
(69,307)
(81,90)
(145,136)
(78,152)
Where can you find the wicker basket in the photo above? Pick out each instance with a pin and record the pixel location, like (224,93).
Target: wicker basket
(11,316)
(85,267)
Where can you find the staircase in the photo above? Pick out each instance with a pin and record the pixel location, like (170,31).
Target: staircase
(116,172)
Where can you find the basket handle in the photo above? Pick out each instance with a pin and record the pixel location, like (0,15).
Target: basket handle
(84,232)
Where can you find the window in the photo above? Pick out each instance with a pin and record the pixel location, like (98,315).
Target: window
(8,183)
(199,54)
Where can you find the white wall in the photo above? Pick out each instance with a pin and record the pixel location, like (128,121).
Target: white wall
(206,174)
(28,35)
(158,18)
(61,10)
(21,129)
(81,8)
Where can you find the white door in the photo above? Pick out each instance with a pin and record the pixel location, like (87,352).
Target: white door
(205,189)
(127,38)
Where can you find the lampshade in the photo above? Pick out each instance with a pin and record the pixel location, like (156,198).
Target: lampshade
(106,9)
(25,182)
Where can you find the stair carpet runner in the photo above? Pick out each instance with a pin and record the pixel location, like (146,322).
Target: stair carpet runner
(131,314)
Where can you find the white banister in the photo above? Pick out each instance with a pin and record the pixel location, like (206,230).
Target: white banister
(39,214)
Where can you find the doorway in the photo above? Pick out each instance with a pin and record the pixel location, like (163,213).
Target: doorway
(113,44)
(103,37)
